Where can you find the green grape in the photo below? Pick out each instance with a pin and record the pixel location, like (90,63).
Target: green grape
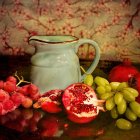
(133,91)
(109,104)
(128,96)
(118,97)
(100,81)
(107,88)
(122,86)
(88,79)
(122,107)
(101,90)
(135,107)
(130,115)
(114,113)
(114,85)
(123,124)
(106,95)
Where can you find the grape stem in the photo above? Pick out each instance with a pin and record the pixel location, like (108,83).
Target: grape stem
(21,80)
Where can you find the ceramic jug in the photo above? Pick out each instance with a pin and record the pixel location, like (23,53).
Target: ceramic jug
(55,64)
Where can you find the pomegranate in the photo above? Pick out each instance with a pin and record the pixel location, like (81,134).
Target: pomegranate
(81,103)
(122,72)
(135,83)
(50,101)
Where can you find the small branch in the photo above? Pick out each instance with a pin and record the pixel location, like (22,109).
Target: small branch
(21,80)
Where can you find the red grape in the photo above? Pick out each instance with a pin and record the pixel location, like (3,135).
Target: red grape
(34,92)
(9,86)
(8,105)
(12,79)
(17,98)
(3,95)
(23,90)
(33,89)
(12,95)
(27,102)
(36,96)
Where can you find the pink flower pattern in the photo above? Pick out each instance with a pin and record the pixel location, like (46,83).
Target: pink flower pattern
(114,25)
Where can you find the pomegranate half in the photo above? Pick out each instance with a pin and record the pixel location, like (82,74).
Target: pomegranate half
(81,103)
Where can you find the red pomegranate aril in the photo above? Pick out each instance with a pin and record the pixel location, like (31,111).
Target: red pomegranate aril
(82,108)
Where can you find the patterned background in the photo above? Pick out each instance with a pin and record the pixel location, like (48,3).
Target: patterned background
(114,24)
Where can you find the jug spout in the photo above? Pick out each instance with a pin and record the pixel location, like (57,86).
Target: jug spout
(35,40)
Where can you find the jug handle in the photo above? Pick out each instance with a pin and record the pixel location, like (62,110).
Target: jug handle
(96,58)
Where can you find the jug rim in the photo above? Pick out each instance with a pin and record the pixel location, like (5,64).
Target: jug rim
(73,39)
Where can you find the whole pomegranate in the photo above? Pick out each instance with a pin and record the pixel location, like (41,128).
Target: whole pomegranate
(81,103)
(122,72)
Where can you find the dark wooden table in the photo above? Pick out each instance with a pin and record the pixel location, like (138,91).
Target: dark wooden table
(30,124)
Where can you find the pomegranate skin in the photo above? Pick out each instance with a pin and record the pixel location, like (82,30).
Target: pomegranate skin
(51,107)
(50,101)
(122,72)
(74,118)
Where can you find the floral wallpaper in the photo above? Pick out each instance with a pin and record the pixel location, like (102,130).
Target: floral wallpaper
(113,24)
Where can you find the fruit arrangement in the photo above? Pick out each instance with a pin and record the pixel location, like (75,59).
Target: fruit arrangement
(81,101)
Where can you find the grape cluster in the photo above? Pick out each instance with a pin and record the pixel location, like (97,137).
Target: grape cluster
(120,100)
(12,95)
